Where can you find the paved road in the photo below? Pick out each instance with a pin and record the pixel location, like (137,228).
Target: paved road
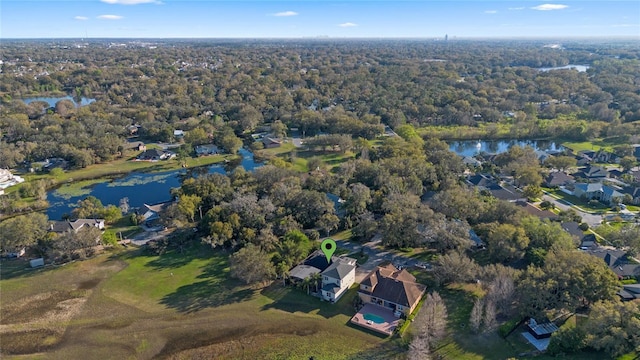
(592,219)
(376,256)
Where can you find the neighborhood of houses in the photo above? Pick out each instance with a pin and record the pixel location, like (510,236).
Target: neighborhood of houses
(387,294)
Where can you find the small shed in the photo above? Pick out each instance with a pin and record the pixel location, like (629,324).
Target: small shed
(542,330)
(36,262)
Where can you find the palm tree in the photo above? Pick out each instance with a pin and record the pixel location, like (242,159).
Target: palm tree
(316,280)
(306,284)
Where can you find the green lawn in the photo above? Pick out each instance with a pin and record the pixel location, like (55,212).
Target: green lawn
(595,144)
(135,305)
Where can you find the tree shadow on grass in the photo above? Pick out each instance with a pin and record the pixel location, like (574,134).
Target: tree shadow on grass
(205,294)
(214,289)
(293,300)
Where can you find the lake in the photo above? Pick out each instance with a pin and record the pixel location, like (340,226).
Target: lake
(580,68)
(470,148)
(140,188)
(53,100)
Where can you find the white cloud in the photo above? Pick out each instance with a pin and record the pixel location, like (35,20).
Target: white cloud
(491,11)
(129,2)
(547,7)
(517,8)
(286,13)
(348,24)
(109,17)
(81,18)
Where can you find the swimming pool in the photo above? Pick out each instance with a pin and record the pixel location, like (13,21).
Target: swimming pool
(375,318)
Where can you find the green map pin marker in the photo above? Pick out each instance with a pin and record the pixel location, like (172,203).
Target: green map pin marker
(328,247)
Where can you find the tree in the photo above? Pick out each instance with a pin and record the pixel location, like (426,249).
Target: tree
(124,205)
(506,242)
(251,265)
(188,204)
(628,162)
(569,280)
(111,214)
(278,129)
(561,163)
(88,208)
(532,192)
(454,267)
(475,319)
(431,320)
(22,231)
(614,327)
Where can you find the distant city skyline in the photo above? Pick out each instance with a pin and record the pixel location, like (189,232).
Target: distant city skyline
(316,18)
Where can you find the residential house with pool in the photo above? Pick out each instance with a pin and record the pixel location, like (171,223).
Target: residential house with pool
(387,294)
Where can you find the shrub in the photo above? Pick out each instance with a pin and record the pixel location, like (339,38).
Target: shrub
(567,341)
(584,226)
(505,329)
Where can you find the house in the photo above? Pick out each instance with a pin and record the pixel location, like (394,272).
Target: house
(471,161)
(60,227)
(573,228)
(133,129)
(392,289)
(14,253)
(634,192)
(618,262)
(589,242)
(484,183)
(583,160)
(152,212)
(155,155)
(338,278)
(636,151)
(135,146)
(532,210)
(207,149)
(8,179)
(178,133)
(597,191)
(630,292)
(592,173)
(387,293)
(558,178)
(271,142)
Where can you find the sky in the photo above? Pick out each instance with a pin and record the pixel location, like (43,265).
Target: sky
(317,18)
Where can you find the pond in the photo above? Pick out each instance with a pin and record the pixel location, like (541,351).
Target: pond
(580,68)
(470,148)
(53,100)
(140,188)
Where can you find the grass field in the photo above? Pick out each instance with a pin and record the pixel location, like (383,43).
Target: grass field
(128,305)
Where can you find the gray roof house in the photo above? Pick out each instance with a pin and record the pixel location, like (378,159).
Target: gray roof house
(75,226)
(338,278)
(597,191)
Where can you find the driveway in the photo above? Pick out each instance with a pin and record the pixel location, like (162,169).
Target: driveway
(376,256)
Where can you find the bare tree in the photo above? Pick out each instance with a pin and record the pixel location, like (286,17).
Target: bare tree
(475,320)
(431,323)
(489,320)
(501,291)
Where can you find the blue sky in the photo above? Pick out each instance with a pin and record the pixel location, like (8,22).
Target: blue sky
(310,18)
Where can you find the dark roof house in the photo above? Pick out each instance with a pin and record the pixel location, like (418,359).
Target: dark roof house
(558,178)
(75,226)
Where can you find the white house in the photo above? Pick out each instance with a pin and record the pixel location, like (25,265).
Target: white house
(338,278)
